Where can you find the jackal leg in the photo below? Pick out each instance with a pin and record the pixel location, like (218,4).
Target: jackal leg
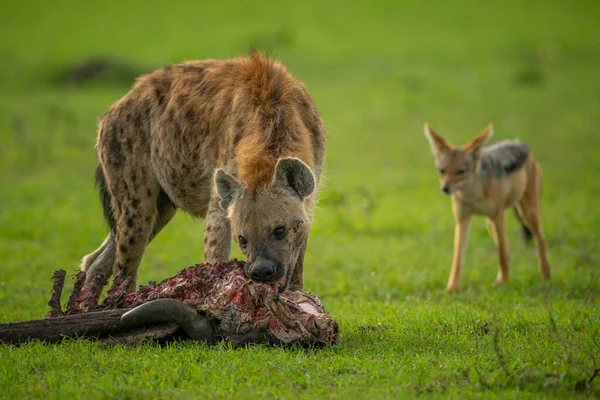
(502,247)
(529,209)
(461,237)
(492,231)
(217,234)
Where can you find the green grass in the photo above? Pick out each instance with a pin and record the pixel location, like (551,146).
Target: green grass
(381,246)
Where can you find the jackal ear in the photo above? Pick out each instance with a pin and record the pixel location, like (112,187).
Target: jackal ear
(294,177)
(475,146)
(228,188)
(438,144)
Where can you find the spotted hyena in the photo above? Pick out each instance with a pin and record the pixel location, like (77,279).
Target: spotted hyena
(238,142)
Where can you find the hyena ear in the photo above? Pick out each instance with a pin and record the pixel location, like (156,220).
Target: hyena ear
(294,177)
(475,145)
(438,144)
(228,188)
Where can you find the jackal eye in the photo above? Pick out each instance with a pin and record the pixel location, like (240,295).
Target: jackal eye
(279,232)
(242,241)
(442,171)
(461,171)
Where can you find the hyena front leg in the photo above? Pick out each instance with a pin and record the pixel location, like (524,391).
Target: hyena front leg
(296,280)
(217,234)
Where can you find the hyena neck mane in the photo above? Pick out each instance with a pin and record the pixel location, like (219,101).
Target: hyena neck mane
(276,127)
(502,158)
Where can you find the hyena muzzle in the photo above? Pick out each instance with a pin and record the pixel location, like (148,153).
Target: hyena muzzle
(238,142)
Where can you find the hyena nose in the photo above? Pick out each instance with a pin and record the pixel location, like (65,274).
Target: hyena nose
(263,270)
(446,189)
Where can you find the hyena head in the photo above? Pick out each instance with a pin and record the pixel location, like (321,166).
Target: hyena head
(270,223)
(457,166)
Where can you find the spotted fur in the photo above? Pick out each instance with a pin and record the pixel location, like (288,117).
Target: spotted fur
(161,145)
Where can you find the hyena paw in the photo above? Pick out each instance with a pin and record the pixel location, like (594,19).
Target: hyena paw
(86,262)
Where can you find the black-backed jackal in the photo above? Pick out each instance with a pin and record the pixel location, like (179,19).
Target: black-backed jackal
(486,180)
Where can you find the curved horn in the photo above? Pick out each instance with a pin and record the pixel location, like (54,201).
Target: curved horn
(171,310)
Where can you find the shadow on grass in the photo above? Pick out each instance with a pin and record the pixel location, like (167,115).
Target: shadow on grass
(99,69)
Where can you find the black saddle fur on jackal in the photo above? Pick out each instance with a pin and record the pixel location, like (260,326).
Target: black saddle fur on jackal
(503,157)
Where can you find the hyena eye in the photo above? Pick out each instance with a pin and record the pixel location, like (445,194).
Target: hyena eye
(242,241)
(461,171)
(442,171)
(279,232)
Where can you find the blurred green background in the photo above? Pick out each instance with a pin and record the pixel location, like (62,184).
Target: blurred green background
(381,246)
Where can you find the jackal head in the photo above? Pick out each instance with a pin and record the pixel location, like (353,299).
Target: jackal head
(457,166)
(270,224)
